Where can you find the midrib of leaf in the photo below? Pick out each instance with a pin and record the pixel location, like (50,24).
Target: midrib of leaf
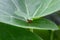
(39,8)
(46,6)
(17,7)
(27,10)
(6,13)
(50,6)
(30,27)
(36,10)
(54,3)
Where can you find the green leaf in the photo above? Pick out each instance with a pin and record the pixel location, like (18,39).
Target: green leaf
(18,12)
(8,32)
(28,9)
(41,23)
(56,35)
(51,7)
(45,34)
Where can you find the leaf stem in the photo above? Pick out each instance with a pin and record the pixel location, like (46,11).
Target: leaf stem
(52,35)
(31,30)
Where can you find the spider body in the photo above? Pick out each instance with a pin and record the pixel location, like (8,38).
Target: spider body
(29,21)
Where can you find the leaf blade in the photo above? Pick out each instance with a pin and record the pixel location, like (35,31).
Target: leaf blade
(36,24)
(9,32)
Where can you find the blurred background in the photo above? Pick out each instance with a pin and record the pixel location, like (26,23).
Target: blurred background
(55,17)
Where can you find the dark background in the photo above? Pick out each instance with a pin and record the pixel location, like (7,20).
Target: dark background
(55,17)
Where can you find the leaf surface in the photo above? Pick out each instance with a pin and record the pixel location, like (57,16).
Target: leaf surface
(17,12)
(41,23)
(28,9)
(8,32)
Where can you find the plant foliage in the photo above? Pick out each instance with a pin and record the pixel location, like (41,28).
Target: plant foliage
(27,14)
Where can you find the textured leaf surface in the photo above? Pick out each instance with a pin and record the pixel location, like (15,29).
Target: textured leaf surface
(16,12)
(41,23)
(8,32)
(28,9)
